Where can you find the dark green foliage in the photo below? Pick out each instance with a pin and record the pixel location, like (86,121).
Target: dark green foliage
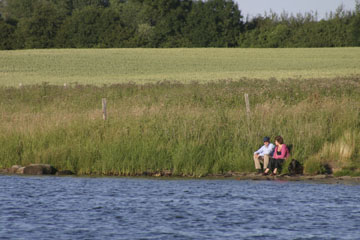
(355,26)
(114,33)
(168,17)
(131,23)
(18,9)
(301,31)
(6,35)
(39,30)
(93,27)
(356,30)
(82,29)
(166,23)
(79,4)
(215,23)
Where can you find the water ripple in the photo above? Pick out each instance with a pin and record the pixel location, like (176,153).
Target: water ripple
(121,208)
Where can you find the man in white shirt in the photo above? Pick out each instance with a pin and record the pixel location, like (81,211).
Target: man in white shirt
(263,155)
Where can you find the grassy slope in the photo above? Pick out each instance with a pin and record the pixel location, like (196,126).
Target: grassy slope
(103,66)
(193,129)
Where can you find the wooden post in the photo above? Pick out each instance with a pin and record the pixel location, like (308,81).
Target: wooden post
(247,102)
(104,109)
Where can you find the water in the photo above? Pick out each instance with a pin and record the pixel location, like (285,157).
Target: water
(121,208)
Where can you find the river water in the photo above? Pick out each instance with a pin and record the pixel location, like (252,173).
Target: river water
(128,208)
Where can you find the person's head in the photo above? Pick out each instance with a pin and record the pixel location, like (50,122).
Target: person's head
(279,141)
(266,141)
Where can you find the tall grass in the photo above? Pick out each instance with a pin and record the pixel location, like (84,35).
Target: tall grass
(190,129)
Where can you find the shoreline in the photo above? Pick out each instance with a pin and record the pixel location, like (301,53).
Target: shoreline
(321,178)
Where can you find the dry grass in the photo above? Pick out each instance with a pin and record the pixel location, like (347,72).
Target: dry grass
(339,153)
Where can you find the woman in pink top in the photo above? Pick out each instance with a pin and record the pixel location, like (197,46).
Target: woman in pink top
(281,153)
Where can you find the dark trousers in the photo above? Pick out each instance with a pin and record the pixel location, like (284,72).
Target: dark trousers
(275,163)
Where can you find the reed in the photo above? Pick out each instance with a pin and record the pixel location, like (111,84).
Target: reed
(189,129)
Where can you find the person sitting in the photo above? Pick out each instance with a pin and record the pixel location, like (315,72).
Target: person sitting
(263,155)
(281,153)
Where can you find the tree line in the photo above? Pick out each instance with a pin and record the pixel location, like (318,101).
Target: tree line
(26,24)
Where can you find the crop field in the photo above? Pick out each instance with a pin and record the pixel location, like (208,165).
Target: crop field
(109,66)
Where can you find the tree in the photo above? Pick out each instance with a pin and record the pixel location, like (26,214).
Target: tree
(80,4)
(114,32)
(18,9)
(166,23)
(6,35)
(64,7)
(39,30)
(258,31)
(81,29)
(215,23)
(170,17)
(279,36)
(93,27)
(355,25)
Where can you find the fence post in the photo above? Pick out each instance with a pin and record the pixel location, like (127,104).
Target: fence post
(247,102)
(104,109)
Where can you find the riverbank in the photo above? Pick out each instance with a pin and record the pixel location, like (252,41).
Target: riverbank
(46,170)
(187,129)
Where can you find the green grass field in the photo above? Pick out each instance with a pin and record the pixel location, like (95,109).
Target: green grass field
(108,66)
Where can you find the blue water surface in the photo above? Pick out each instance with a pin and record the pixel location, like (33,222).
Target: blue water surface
(128,208)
